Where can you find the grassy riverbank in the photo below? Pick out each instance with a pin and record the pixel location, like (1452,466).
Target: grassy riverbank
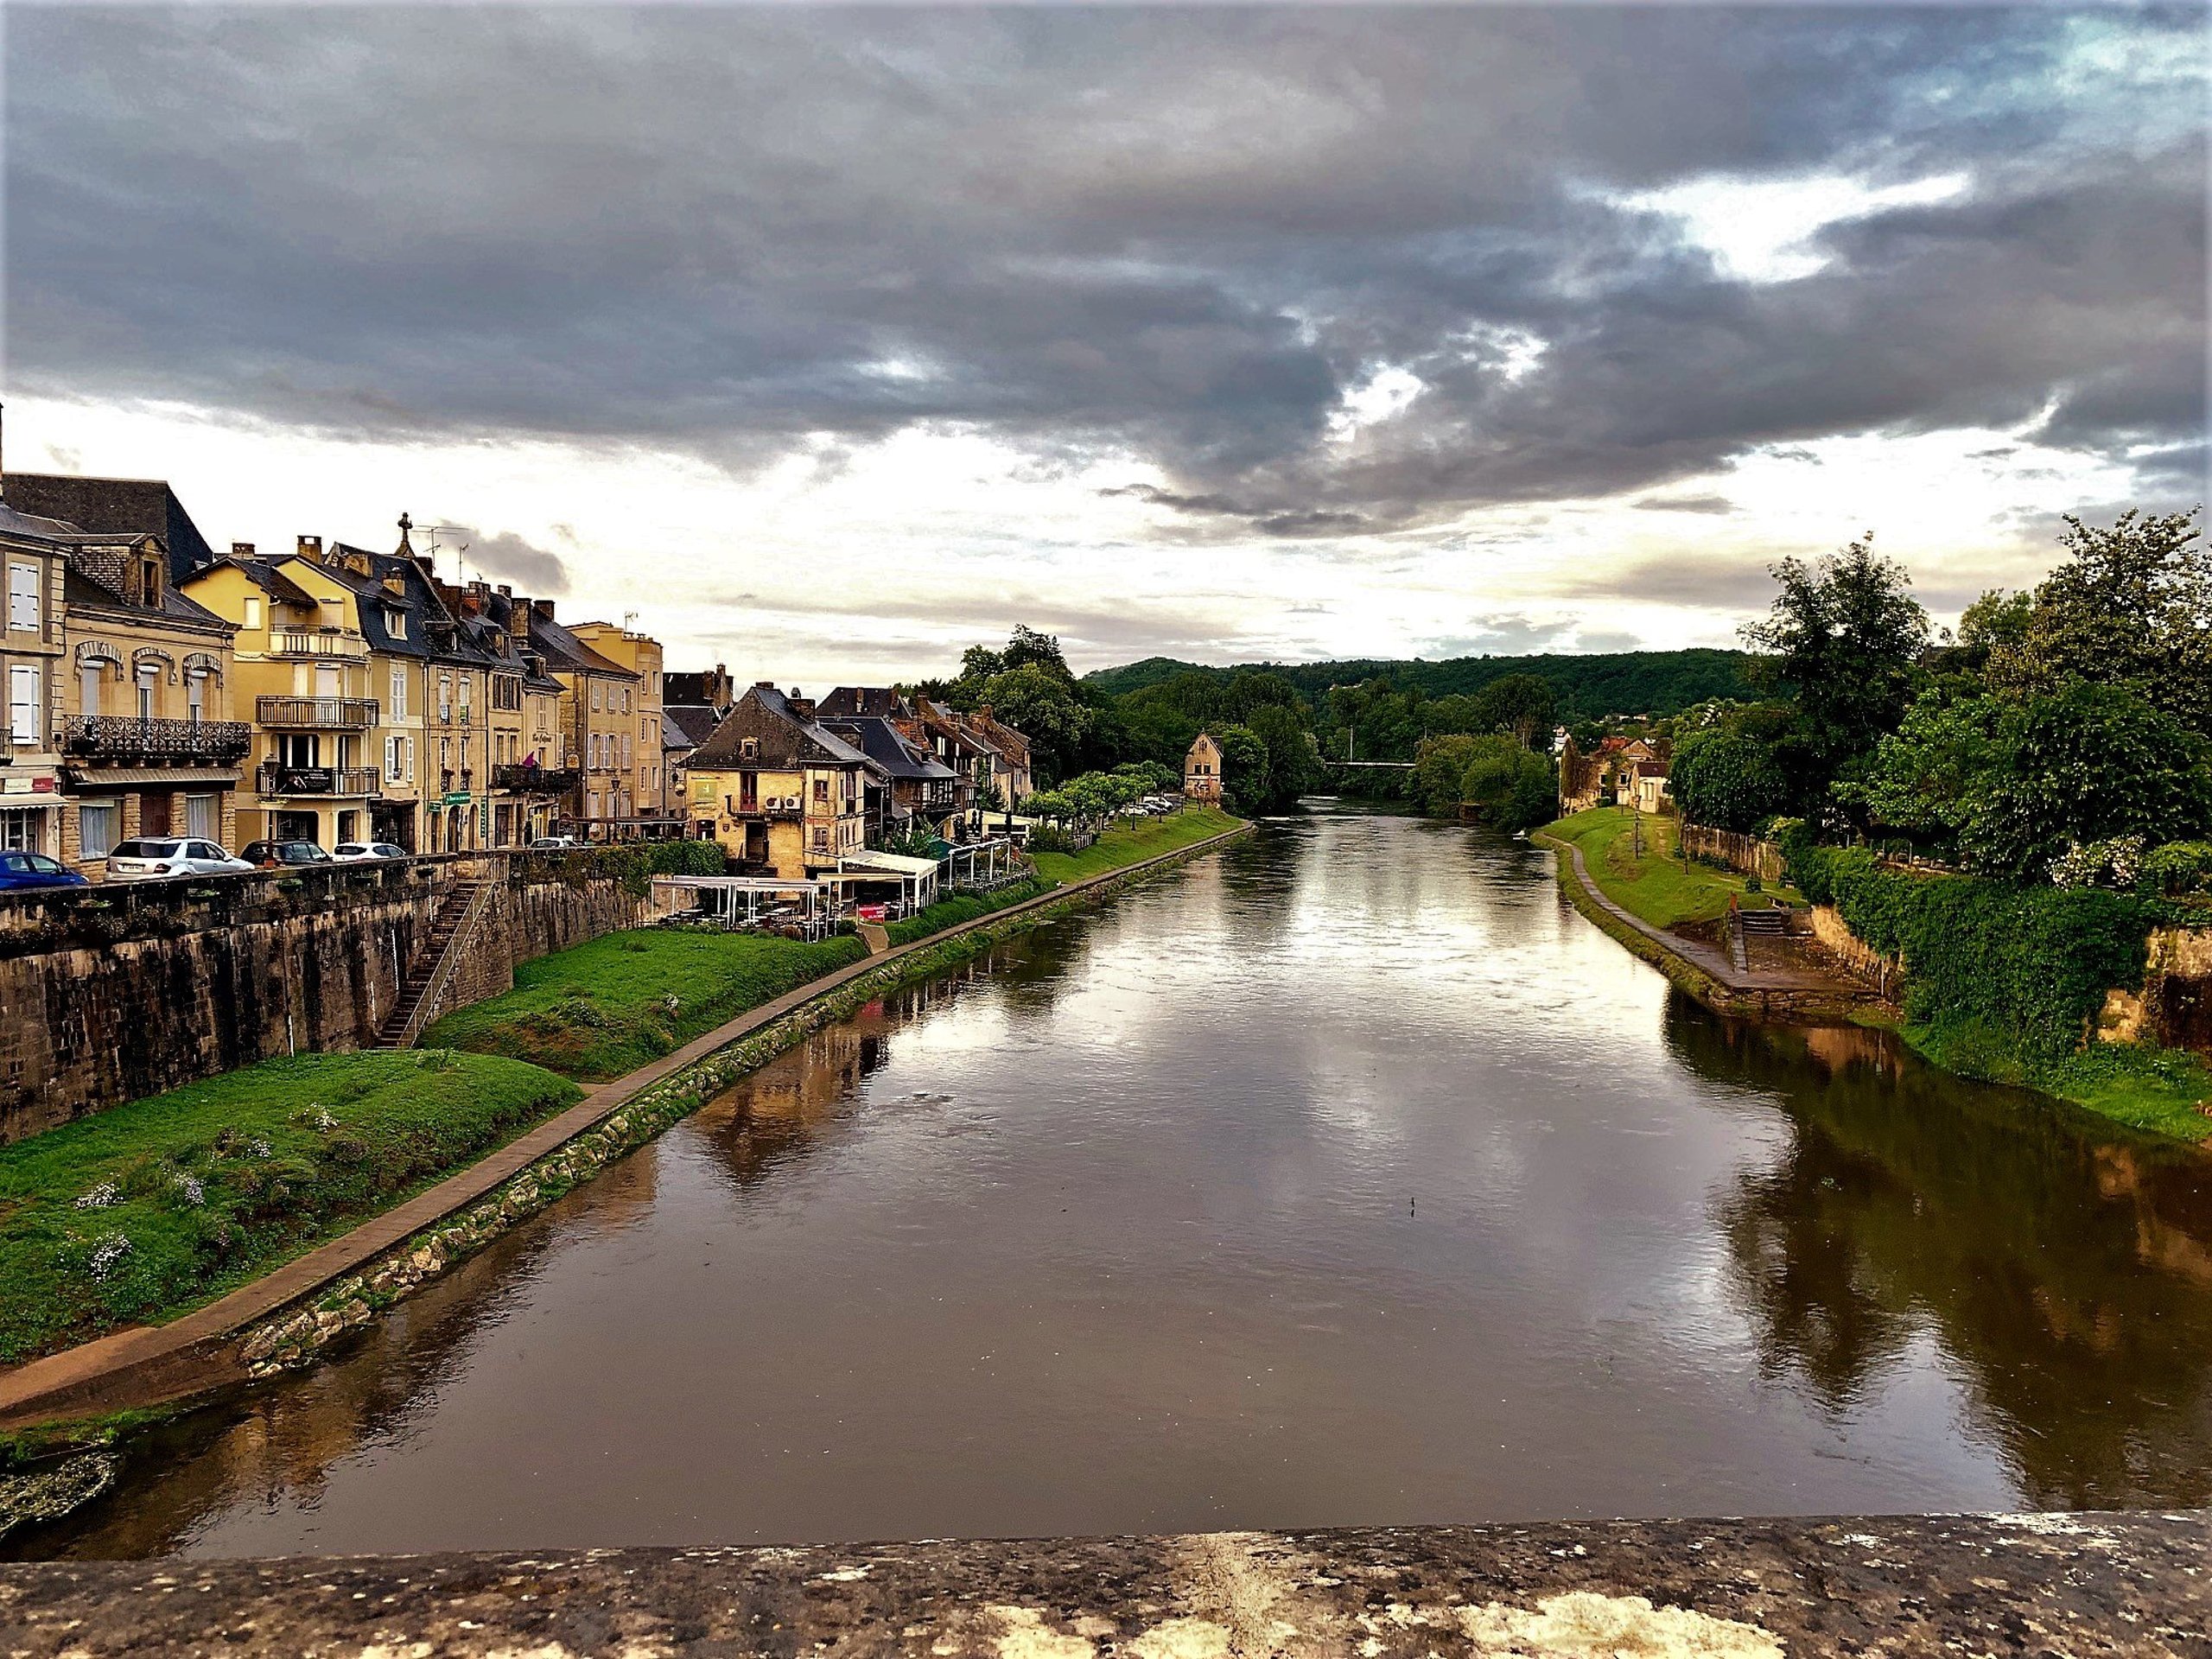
(951,913)
(620,1001)
(146,1210)
(2140,1085)
(1119,848)
(1653,884)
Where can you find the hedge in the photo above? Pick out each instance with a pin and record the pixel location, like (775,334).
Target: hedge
(2029,965)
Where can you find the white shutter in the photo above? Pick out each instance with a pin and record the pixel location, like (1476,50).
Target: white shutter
(23,704)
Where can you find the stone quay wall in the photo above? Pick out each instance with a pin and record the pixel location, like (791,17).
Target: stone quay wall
(121,991)
(1911,1587)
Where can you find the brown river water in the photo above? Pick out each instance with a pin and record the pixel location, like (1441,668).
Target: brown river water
(1345,1176)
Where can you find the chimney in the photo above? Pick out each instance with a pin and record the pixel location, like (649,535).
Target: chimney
(311,548)
(241,549)
(504,591)
(518,617)
(542,607)
(802,707)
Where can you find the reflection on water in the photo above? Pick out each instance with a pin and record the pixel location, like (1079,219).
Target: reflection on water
(1346,1176)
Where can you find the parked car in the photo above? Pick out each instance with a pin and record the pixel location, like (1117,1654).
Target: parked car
(554,843)
(20,872)
(149,858)
(367,852)
(269,854)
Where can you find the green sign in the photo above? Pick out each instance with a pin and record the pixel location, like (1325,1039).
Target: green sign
(457,798)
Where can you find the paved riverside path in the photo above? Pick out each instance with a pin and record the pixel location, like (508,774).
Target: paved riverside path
(1714,963)
(1911,1587)
(153,1363)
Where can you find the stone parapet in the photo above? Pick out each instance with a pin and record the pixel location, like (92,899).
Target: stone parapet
(2083,1585)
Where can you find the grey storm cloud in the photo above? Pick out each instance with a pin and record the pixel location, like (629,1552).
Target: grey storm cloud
(508,557)
(1175,238)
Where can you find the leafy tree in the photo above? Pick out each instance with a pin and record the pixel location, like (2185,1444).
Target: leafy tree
(1439,774)
(1842,640)
(2087,763)
(1245,765)
(1994,625)
(1044,709)
(1512,786)
(1727,778)
(1519,703)
(1935,772)
(1293,764)
(2132,608)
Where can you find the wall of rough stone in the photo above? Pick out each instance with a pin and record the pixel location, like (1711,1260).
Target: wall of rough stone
(111,999)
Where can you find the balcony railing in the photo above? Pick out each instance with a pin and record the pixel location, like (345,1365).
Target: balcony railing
(278,779)
(542,780)
(127,740)
(316,714)
(317,642)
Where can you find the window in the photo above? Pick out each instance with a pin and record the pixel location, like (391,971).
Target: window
(395,624)
(199,818)
(96,828)
(20,828)
(626,749)
(25,713)
(394,760)
(196,695)
(148,677)
(22,597)
(399,693)
(625,699)
(822,791)
(467,683)
(594,696)
(253,610)
(88,687)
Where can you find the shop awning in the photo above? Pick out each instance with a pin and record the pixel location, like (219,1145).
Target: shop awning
(99,777)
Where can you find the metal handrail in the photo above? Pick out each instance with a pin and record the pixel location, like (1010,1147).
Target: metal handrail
(341,714)
(441,976)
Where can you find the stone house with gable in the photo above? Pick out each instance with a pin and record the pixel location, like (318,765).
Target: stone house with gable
(783,794)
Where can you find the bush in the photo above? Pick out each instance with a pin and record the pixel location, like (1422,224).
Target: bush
(2179,868)
(1728,780)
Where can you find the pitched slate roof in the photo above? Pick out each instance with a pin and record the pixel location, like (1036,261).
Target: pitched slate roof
(115,506)
(850,700)
(566,654)
(89,584)
(785,738)
(888,749)
(693,723)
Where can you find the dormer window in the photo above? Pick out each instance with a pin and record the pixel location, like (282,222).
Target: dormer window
(395,624)
(150,582)
(749,748)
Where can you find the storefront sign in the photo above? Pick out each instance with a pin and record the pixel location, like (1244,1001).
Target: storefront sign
(457,798)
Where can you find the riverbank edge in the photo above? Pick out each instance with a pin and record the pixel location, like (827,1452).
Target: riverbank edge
(1795,1007)
(345,1287)
(2128,1583)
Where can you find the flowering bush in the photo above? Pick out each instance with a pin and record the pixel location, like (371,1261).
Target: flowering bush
(2116,863)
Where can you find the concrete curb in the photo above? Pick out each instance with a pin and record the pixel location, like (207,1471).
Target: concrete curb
(158,1363)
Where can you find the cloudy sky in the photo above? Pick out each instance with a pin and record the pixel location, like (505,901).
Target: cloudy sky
(830,340)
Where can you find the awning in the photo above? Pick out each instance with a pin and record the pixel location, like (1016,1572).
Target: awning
(894,863)
(134,777)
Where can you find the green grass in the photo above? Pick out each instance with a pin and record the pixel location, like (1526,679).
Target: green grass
(211,1185)
(605,1008)
(951,912)
(1653,885)
(2163,1090)
(1119,848)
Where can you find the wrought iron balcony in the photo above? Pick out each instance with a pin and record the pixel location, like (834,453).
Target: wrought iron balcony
(127,740)
(274,779)
(316,714)
(317,642)
(541,780)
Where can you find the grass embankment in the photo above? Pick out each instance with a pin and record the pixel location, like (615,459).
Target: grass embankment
(1653,884)
(967,907)
(147,1211)
(1120,847)
(620,1001)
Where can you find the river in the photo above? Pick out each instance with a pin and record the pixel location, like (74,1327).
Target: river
(1344,1176)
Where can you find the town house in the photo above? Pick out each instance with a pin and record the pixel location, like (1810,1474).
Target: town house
(785,795)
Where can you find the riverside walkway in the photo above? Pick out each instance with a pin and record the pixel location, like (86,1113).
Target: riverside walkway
(2080,1585)
(148,1364)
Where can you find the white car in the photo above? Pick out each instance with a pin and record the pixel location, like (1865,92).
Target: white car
(367,852)
(152,858)
(554,843)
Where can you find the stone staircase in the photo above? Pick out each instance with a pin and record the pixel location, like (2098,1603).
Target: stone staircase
(427,975)
(1767,922)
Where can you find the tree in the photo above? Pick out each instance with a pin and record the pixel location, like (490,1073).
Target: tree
(1439,774)
(1935,772)
(2084,764)
(1043,708)
(1513,787)
(1519,703)
(1294,764)
(1728,779)
(1243,765)
(2132,608)
(1842,640)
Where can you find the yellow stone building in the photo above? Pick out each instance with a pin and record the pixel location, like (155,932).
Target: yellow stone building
(627,783)
(783,796)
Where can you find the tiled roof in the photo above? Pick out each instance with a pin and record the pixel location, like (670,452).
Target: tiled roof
(849,700)
(694,721)
(783,737)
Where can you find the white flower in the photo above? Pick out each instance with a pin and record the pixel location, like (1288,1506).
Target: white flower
(194,1193)
(108,1251)
(100,1198)
(259,1148)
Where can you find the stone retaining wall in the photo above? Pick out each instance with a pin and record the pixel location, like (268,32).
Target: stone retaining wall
(101,1005)
(2084,1585)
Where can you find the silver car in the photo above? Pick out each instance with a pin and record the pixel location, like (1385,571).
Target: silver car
(152,858)
(367,852)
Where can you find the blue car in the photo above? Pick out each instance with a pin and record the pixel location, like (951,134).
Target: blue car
(21,870)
